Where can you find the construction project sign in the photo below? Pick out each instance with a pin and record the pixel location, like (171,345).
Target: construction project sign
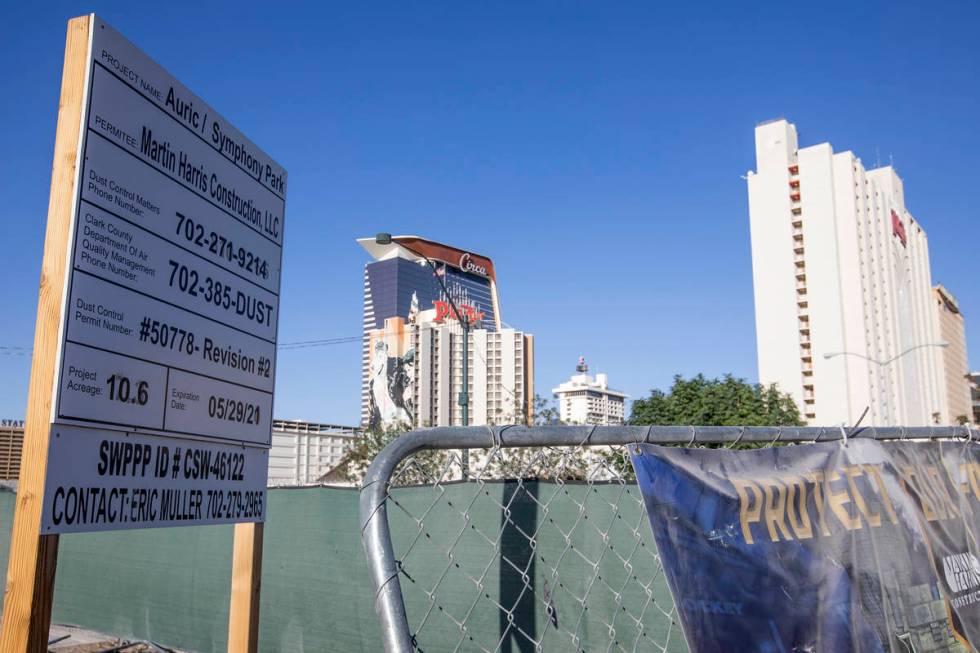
(162,406)
(866,547)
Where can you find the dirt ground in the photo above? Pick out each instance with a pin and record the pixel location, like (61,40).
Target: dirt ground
(70,639)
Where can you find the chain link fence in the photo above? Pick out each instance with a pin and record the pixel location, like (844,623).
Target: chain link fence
(545,546)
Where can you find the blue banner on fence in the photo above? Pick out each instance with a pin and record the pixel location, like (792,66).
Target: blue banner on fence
(866,547)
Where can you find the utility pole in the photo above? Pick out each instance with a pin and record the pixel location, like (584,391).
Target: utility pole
(464,394)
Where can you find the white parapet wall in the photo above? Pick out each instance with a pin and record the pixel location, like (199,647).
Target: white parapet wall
(303,452)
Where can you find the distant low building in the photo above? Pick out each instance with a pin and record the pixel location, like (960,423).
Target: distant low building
(587,400)
(303,452)
(11,446)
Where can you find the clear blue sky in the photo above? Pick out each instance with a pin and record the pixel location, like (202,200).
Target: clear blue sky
(592,150)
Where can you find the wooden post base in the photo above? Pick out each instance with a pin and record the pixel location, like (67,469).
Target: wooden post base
(246,583)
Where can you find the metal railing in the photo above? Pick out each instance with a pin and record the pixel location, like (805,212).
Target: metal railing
(546,547)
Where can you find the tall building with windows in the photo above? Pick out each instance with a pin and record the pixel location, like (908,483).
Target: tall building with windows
(845,317)
(413,353)
(956,367)
(500,371)
(587,400)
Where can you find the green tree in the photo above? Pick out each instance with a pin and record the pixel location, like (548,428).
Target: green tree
(545,412)
(699,401)
(544,463)
(728,401)
(423,467)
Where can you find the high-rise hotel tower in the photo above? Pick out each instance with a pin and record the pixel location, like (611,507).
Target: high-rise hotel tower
(412,372)
(845,317)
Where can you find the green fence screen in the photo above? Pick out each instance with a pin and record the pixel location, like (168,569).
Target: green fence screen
(172,585)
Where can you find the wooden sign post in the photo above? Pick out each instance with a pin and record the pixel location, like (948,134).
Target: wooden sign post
(246,583)
(33,556)
(151,389)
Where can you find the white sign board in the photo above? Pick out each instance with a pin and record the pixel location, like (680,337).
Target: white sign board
(162,411)
(111,480)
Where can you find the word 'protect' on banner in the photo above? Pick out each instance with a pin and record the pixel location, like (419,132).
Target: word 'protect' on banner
(868,547)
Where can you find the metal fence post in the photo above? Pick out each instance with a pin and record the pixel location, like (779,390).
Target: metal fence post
(376,539)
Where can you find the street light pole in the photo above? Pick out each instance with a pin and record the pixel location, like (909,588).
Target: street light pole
(891,360)
(885,363)
(464,394)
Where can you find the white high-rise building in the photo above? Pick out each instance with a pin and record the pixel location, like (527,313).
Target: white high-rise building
(586,400)
(500,371)
(428,379)
(845,318)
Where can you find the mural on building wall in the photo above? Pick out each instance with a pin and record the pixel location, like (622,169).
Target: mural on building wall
(392,396)
(392,379)
(391,388)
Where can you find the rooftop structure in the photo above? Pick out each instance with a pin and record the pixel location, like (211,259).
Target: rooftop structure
(587,400)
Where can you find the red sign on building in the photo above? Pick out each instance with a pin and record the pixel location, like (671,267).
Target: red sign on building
(444,311)
(898,229)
